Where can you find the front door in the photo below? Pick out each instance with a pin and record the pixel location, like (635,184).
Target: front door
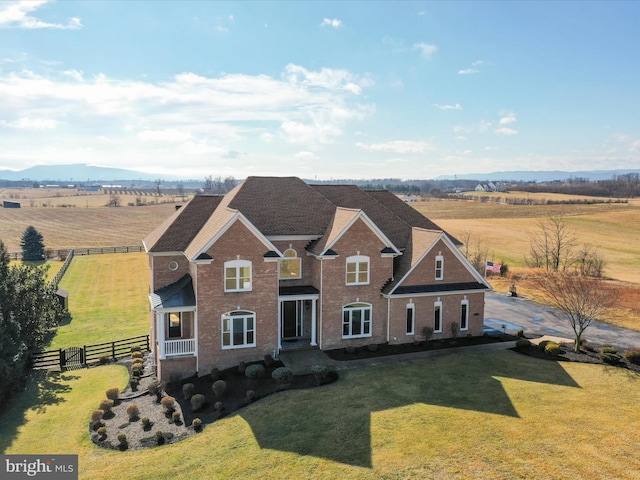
(292,319)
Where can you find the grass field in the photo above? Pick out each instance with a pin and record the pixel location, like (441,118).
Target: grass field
(476,416)
(107,299)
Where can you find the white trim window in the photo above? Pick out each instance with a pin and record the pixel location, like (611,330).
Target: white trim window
(237,276)
(356,320)
(290,265)
(464,315)
(238,329)
(357,270)
(439,267)
(437,317)
(174,325)
(411,318)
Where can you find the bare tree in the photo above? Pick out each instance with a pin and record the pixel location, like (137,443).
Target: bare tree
(180,190)
(552,246)
(158,182)
(580,298)
(208,185)
(589,261)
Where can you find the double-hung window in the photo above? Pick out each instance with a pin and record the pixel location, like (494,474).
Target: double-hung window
(439,267)
(358,270)
(356,320)
(238,329)
(437,317)
(237,276)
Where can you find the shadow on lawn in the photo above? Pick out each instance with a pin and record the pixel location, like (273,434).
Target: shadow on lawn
(334,422)
(43,389)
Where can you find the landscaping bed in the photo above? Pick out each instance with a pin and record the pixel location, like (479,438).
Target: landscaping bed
(177,423)
(383,349)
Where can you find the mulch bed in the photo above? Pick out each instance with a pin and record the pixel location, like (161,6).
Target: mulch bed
(380,350)
(235,398)
(589,353)
(140,437)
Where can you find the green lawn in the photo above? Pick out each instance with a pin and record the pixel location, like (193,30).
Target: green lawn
(493,415)
(107,299)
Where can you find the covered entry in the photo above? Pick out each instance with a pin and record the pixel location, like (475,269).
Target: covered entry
(298,316)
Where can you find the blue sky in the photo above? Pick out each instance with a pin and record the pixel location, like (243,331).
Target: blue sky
(320,89)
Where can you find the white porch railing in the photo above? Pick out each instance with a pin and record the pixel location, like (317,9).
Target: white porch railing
(183,346)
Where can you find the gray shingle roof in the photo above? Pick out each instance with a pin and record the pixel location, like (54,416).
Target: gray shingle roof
(175,295)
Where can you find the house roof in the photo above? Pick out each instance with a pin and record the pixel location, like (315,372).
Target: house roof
(177,231)
(179,294)
(287,206)
(282,206)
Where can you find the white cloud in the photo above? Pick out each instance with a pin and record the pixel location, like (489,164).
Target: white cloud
(168,135)
(397,146)
(477,63)
(16,15)
(468,71)
(457,106)
(506,131)
(425,49)
(331,22)
(304,155)
(32,123)
(508,118)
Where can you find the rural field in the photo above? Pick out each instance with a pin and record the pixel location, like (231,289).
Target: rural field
(495,415)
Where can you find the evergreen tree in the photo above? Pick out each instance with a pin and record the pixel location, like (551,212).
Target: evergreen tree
(32,245)
(29,309)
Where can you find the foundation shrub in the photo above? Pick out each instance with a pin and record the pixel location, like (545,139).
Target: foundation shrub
(350,349)
(633,356)
(268,360)
(219,388)
(552,349)
(168,404)
(159,437)
(113,393)
(282,375)
(523,345)
(122,439)
(136,348)
(137,354)
(241,368)
(610,355)
(155,388)
(216,374)
(255,371)
(520,333)
(146,422)
(251,395)
(102,433)
(197,402)
(427,332)
(176,418)
(219,406)
(320,372)
(133,411)
(188,389)
(106,405)
(196,423)
(372,347)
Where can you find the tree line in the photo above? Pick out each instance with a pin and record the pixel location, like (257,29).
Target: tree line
(29,311)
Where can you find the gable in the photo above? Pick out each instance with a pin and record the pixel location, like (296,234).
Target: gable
(415,270)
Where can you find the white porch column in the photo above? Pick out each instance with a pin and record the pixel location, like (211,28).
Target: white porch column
(279,325)
(314,322)
(160,333)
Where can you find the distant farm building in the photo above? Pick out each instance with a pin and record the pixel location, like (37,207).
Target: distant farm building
(7,204)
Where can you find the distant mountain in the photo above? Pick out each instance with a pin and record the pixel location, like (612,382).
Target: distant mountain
(537,176)
(80,172)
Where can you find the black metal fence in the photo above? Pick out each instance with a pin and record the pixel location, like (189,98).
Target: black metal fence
(88,354)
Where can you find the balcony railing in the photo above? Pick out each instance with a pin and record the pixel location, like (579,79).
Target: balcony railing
(184,346)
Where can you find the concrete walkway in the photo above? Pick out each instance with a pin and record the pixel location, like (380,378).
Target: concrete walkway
(301,361)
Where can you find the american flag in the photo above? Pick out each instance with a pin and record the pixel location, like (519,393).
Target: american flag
(493,267)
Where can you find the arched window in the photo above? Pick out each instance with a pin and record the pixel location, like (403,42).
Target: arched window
(290,265)
(238,329)
(358,270)
(237,276)
(356,320)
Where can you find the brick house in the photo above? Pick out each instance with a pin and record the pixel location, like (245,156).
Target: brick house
(278,263)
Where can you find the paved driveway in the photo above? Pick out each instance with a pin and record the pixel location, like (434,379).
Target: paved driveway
(520,313)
